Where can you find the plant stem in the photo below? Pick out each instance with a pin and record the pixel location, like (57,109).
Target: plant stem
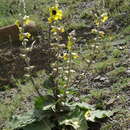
(35,86)
(69,68)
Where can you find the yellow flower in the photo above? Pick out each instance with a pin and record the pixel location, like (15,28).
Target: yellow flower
(65,56)
(54,29)
(17,23)
(57,29)
(62,29)
(26,20)
(55,14)
(104,17)
(97,22)
(20,29)
(75,55)
(28,35)
(94,31)
(24,35)
(87,114)
(21,36)
(50,20)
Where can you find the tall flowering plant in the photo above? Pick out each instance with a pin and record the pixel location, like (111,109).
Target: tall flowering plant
(61,107)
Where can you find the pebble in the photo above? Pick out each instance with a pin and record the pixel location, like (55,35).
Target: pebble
(128,72)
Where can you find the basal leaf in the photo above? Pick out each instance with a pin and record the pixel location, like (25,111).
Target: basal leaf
(92,115)
(84,105)
(44,102)
(75,119)
(29,122)
(76,123)
(43,125)
(22,120)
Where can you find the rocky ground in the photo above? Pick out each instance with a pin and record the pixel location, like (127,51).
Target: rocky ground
(108,87)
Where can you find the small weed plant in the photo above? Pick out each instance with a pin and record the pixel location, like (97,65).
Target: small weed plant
(60,106)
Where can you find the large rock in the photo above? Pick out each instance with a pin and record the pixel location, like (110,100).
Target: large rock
(9,34)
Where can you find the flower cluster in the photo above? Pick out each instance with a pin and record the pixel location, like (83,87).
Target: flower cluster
(102,19)
(99,21)
(57,32)
(73,54)
(69,58)
(57,29)
(100,33)
(26,20)
(55,14)
(23,35)
(62,70)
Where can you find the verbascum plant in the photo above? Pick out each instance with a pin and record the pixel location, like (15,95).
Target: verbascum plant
(60,107)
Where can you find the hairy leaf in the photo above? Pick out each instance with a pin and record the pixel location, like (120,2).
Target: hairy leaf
(75,119)
(43,125)
(22,120)
(44,103)
(92,115)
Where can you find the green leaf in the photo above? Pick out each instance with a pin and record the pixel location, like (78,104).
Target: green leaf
(41,114)
(43,125)
(84,105)
(92,115)
(22,120)
(28,121)
(39,102)
(47,84)
(83,125)
(75,119)
(45,102)
(76,123)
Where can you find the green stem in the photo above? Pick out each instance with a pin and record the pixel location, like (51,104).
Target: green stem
(69,68)
(35,86)
(49,35)
(28,65)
